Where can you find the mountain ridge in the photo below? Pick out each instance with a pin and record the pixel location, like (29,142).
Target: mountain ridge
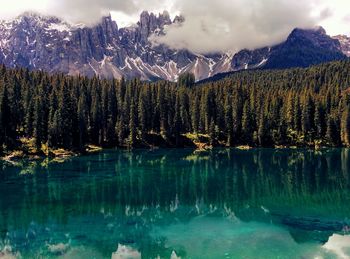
(48,43)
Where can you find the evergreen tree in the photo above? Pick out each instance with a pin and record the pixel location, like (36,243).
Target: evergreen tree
(308,117)
(229,120)
(247,130)
(65,111)
(177,120)
(195,117)
(297,115)
(212,134)
(142,112)
(82,122)
(331,132)
(345,126)
(5,116)
(132,127)
(186,80)
(52,119)
(112,114)
(95,130)
(38,123)
(319,121)
(262,131)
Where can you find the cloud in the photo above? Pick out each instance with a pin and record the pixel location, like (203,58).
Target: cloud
(80,11)
(88,11)
(233,25)
(91,11)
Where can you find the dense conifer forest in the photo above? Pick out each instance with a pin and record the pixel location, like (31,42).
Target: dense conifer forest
(295,107)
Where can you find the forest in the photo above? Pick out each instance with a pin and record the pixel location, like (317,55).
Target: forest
(295,107)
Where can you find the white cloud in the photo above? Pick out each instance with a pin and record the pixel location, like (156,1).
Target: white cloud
(339,20)
(85,11)
(234,25)
(12,8)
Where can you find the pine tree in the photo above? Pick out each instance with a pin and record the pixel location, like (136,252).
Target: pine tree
(177,120)
(308,117)
(212,134)
(247,130)
(331,132)
(262,130)
(319,121)
(186,80)
(55,130)
(28,110)
(195,115)
(163,113)
(66,113)
(112,114)
(290,112)
(132,126)
(95,131)
(52,119)
(5,116)
(345,126)
(38,123)
(184,111)
(82,122)
(297,115)
(229,120)
(142,116)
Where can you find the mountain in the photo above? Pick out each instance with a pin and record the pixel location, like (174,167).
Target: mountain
(302,48)
(48,43)
(39,42)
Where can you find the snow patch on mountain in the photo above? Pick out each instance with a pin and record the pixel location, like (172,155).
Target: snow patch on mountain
(345,43)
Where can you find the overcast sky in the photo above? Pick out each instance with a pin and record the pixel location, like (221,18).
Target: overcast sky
(210,24)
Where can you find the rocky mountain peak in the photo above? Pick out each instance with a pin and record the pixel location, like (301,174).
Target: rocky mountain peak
(344,43)
(179,19)
(109,28)
(150,23)
(315,37)
(48,43)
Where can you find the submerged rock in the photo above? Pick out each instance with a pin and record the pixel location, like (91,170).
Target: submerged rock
(339,245)
(174,256)
(58,249)
(7,253)
(312,224)
(126,252)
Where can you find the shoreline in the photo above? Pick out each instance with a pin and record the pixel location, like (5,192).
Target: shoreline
(60,155)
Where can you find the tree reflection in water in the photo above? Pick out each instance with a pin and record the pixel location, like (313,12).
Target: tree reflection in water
(133,198)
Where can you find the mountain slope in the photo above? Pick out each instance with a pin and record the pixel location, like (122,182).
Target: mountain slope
(47,43)
(302,48)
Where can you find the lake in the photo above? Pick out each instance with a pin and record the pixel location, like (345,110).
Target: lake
(178,203)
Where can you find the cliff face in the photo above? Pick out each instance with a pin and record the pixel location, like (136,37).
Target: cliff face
(344,43)
(50,44)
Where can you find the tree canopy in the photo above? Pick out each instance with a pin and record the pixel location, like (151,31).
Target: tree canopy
(302,107)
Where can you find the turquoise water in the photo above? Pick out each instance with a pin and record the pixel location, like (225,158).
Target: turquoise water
(224,203)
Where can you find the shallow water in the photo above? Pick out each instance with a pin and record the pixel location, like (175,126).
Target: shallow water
(225,203)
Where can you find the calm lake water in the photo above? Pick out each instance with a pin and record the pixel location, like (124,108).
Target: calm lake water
(224,203)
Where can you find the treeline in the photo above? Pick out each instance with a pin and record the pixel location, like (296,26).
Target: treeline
(302,107)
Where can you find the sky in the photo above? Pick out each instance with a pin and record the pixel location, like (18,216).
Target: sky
(210,25)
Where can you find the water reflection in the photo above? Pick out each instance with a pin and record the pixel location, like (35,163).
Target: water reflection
(138,199)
